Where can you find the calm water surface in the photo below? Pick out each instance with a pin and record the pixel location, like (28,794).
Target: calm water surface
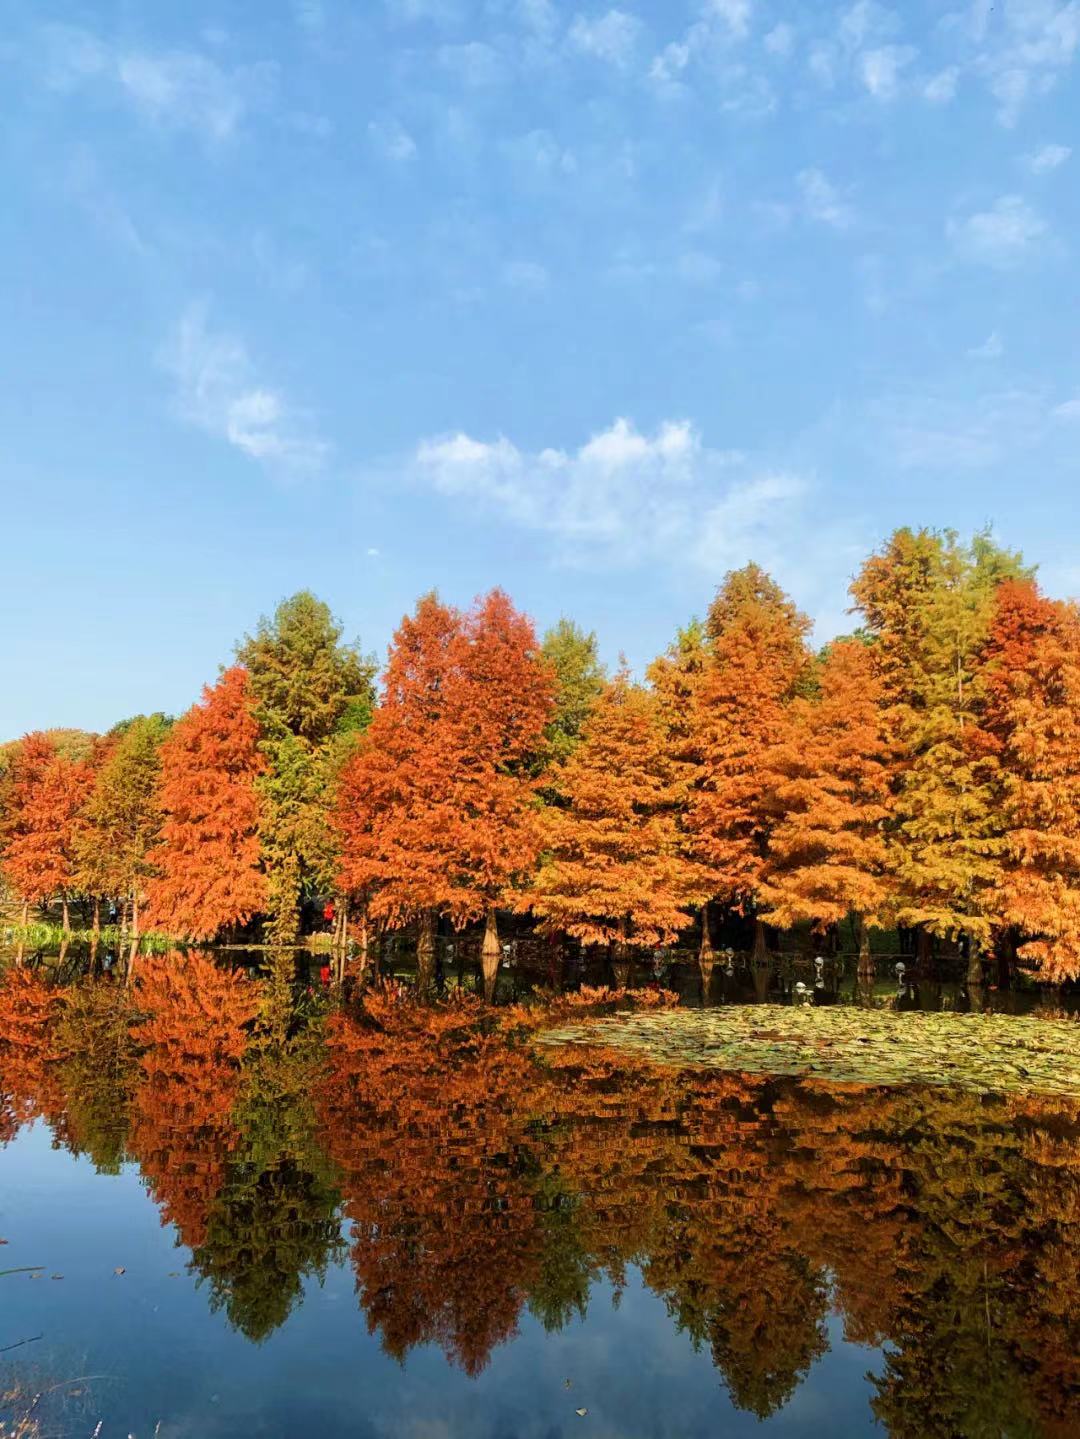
(401,1226)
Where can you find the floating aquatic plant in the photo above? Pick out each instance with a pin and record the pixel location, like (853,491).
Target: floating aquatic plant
(977,1052)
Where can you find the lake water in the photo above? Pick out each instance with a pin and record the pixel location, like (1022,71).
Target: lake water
(417,1227)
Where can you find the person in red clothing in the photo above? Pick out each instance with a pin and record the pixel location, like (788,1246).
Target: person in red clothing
(328,911)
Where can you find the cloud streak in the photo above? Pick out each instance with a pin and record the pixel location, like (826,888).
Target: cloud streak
(219,392)
(172,89)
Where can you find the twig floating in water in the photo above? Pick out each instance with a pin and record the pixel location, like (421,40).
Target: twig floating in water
(32,1340)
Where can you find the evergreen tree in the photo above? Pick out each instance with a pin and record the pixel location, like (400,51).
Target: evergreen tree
(928,601)
(579,679)
(123,813)
(313,693)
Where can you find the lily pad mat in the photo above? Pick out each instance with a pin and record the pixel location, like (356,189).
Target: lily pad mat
(985,1053)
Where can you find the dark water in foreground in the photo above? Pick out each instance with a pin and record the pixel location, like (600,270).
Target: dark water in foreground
(410,1225)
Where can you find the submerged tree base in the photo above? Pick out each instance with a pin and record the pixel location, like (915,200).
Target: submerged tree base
(1000,1054)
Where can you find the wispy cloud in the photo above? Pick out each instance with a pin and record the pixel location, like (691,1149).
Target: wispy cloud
(1001,236)
(218,390)
(612,37)
(176,89)
(992,348)
(391,139)
(622,497)
(525,275)
(822,201)
(1047,158)
(780,40)
(940,89)
(1024,47)
(880,69)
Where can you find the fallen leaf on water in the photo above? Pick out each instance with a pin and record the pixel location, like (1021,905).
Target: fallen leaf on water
(581,1413)
(57,1276)
(120,1270)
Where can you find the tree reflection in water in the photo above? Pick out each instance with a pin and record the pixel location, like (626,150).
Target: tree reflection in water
(479,1182)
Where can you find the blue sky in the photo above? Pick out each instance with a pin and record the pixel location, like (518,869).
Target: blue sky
(590,301)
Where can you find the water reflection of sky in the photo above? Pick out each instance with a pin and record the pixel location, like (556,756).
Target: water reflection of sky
(164,1356)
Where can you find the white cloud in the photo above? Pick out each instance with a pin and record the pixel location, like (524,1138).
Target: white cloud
(539,154)
(1022,55)
(863,21)
(1070,410)
(178,89)
(1046,158)
(218,391)
(525,275)
(475,64)
(880,69)
(735,14)
(780,40)
(612,37)
(620,496)
(625,499)
(991,348)
(1001,236)
(822,201)
(391,139)
(941,88)
(411,12)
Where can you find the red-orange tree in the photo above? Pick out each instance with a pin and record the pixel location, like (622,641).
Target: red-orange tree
(1031,721)
(393,805)
(437,810)
(615,870)
(829,778)
(208,859)
(756,659)
(49,792)
(499,706)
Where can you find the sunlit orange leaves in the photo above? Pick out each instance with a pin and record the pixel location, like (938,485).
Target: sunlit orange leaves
(208,858)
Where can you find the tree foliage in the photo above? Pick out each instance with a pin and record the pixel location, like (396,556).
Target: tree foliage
(207,862)
(614,869)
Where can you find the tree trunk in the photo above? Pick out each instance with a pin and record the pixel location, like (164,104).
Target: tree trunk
(66,912)
(925,951)
(620,956)
(975,966)
(490,954)
(425,953)
(95,933)
(26,914)
(706,953)
(761,949)
(866,960)
(134,950)
(363,945)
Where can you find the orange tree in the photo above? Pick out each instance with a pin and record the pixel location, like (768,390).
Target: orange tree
(207,862)
(1031,726)
(437,807)
(47,798)
(614,870)
(829,778)
(757,659)
(393,803)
